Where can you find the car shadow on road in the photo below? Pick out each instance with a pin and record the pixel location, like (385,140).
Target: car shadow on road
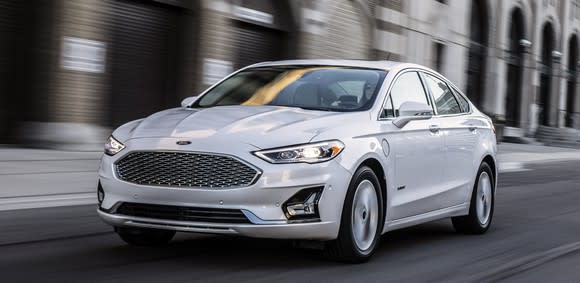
(227,251)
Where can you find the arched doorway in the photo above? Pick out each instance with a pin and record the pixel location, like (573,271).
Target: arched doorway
(477,52)
(546,73)
(515,69)
(571,87)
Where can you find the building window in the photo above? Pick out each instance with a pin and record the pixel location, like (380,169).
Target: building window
(439,51)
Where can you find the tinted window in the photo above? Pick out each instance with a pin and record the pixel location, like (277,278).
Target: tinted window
(309,87)
(444,99)
(408,87)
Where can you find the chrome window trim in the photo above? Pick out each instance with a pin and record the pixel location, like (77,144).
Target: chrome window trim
(454,91)
(393,81)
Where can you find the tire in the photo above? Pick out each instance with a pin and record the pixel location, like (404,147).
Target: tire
(144,237)
(481,206)
(362,212)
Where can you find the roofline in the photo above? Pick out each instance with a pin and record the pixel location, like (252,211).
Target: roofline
(383,65)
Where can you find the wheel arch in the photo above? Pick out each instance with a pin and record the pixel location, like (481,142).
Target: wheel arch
(491,162)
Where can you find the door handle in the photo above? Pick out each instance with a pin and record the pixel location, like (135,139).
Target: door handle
(472,128)
(434,128)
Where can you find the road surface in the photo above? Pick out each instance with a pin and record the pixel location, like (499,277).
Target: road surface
(535,237)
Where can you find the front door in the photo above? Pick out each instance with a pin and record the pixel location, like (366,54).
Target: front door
(416,149)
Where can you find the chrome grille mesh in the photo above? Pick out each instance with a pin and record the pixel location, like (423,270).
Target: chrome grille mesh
(184,169)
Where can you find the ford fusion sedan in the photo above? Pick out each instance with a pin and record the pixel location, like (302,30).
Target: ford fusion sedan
(334,151)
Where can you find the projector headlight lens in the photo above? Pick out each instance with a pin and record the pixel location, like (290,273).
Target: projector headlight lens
(307,153)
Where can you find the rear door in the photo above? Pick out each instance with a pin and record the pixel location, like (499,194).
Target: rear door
(460,135)
(416,151)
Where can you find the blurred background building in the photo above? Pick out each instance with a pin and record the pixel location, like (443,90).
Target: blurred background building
(70,71)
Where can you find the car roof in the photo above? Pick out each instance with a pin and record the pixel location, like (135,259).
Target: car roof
(382,65)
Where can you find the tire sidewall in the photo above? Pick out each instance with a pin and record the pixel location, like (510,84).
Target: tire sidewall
(484,167)
(363,173)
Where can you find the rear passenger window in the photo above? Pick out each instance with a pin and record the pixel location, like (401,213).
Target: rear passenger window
(408,87)
(444,99)
(462,101)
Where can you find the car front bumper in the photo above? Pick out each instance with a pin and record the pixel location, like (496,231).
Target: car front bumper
(280,230)
(261,202)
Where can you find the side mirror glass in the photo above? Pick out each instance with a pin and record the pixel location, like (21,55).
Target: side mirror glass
(188,101)
(411,111)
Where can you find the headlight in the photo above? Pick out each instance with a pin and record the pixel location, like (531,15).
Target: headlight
(308,153)
(113,146)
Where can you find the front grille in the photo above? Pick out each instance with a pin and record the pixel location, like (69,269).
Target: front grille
(183,213)
(185,169)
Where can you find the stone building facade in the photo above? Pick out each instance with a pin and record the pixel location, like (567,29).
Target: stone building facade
(82,67)
(516,59)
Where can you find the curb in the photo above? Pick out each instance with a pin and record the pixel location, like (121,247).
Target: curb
(27,202)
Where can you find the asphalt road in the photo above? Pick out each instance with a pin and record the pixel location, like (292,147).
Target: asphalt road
(535,237)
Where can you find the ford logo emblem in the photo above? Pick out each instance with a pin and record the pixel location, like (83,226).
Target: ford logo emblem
(183,142)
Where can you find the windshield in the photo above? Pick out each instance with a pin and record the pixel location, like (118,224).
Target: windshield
(309,87)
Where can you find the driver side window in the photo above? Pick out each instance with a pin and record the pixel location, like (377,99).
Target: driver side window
(407,87)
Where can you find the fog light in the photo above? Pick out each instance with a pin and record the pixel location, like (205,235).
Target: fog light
(303,206)
(306,208)
(100,193)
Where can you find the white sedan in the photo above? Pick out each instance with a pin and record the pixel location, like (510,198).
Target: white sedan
(334,151)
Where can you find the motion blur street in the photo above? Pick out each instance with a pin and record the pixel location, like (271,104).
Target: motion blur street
(534,236)
(73,71)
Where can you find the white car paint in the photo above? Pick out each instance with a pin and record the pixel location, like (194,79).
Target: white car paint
(428,174)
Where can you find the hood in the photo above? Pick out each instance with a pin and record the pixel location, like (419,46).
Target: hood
(260,126)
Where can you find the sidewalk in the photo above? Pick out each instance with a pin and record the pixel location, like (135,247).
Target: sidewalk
(45,178)
(514,157)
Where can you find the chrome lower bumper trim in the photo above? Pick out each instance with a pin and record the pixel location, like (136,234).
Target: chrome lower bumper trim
(281,230)
(257,220)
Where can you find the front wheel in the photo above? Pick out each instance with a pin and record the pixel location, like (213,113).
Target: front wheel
(482,204)
(362,219)
(144,237)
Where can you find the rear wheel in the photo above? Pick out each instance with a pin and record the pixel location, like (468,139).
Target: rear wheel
(144,237)
(482,204)
(362,218)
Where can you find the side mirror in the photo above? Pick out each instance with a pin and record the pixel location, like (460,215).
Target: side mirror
(188,101)
(411,111)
